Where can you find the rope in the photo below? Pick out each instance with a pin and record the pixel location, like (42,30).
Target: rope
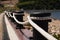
(19,21)
(10,15)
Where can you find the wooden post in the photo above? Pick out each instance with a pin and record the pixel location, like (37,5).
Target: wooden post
(43,23)
(19,16)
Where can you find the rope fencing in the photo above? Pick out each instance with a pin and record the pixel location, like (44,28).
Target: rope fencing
(39,29)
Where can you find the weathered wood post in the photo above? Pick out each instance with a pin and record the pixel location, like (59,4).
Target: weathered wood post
(41,20)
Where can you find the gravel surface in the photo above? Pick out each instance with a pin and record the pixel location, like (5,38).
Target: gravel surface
(1,26)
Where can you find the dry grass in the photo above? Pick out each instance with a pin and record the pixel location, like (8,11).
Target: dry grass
(54,27)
